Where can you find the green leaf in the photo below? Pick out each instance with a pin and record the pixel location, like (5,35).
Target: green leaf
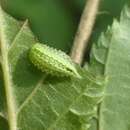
(3,121)
(106,14)
(111,57)
(31,100)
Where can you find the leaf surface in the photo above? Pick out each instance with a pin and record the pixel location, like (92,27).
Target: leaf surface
(31,99)
(111,57)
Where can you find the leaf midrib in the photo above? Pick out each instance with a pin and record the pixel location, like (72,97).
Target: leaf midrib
(8,85)
(11,108)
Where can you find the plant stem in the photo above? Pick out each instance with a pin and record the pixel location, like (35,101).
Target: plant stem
(84,30)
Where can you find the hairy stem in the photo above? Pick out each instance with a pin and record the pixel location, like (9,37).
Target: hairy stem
(84,30)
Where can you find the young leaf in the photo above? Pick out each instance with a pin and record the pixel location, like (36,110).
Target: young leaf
(35,101)
(111,57)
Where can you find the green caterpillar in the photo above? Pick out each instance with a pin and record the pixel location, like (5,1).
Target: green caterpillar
(52,61)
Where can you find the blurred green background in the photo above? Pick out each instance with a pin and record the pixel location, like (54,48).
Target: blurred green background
(55,22)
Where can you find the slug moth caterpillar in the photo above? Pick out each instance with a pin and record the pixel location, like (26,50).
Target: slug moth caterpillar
(52,61)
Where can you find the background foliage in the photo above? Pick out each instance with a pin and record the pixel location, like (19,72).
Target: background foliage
(55,21)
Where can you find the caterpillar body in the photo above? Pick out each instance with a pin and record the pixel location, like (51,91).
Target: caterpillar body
(52,61)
